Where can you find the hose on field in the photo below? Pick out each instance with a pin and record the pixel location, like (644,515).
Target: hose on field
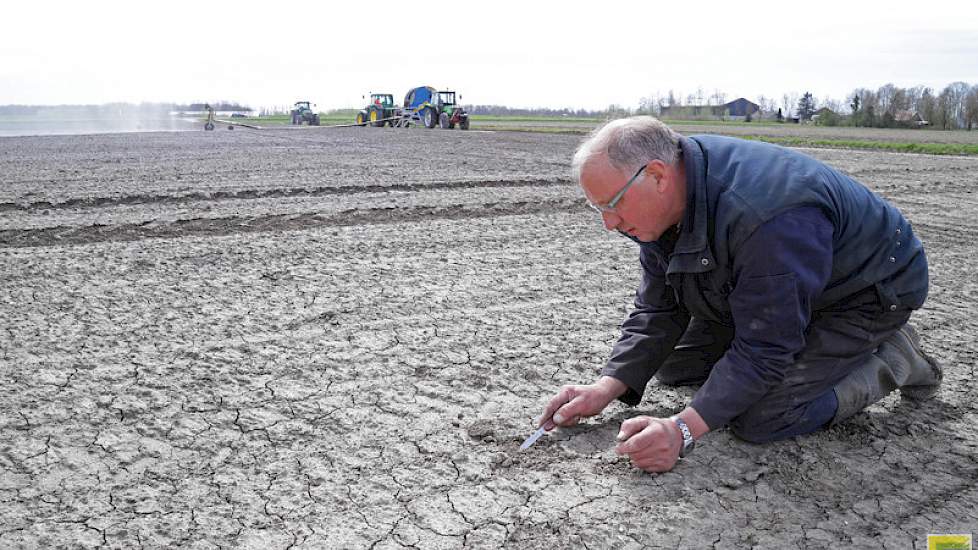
(255,127)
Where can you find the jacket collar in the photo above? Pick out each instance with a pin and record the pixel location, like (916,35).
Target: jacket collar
(691,253)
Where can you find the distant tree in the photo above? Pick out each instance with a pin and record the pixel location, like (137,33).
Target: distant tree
(828,117)
(884,98)
(888,119)
(768,105)
(671,99)
(913,98)
(971,108)
(806,106)
(788,102)
(926,105)
(955,94)
(835,105)
(869,115)
(900,100)
(864,107)
(647,106)
(718,97)
(616,111)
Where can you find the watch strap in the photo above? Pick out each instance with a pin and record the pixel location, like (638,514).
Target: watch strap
(688,442)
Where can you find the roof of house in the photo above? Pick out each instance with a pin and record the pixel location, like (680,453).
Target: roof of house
(906,116)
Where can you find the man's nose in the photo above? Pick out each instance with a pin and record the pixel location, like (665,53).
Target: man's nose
(610,219)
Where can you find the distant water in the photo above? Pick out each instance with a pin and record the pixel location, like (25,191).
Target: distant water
(11,125)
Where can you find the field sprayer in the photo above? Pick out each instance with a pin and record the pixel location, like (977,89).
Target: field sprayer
(429,107)
(423,105)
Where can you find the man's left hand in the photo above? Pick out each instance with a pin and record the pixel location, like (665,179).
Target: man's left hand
(652,444)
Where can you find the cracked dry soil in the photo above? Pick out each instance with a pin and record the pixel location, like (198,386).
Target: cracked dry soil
(338,338)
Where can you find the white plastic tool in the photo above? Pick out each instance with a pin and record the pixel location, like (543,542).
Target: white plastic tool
(533,438)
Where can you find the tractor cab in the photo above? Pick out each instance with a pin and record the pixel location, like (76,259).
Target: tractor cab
(303,105)
(384,100)
(446,98)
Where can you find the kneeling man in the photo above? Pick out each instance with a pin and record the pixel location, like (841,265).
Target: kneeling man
(781,285)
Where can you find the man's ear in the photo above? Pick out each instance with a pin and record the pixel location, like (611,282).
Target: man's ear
(660,171)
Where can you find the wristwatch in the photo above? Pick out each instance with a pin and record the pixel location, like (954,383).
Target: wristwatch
(688,442)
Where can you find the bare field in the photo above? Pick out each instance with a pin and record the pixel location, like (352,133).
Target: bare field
(337,338)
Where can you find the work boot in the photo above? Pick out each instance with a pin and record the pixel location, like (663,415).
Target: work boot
(928,371)
(898,363)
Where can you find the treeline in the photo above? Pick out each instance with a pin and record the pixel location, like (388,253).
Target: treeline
(118,108)
(955,107)
(952,108)
(217,106)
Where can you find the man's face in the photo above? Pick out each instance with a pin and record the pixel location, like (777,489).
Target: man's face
(643,212)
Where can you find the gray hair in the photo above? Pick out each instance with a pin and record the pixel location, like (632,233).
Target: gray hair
(629,143)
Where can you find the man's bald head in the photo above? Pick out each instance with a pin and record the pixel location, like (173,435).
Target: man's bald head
(628,143)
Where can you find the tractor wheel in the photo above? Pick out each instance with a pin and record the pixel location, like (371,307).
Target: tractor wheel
(430,118)
(464,125)
(443,121)
(315,120)
(359,118)
(208,126)
(375,115)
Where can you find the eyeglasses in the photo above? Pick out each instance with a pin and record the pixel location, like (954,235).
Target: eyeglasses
(610,207)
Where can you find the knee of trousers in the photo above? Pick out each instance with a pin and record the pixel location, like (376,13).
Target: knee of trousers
(761,423)
(685,367)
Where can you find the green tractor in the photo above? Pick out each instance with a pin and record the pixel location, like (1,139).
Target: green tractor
(451,113)
(433,108)
(302,112)
(379,111)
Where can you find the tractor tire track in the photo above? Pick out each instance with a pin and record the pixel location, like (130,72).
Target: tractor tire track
(62,235)
(318,191)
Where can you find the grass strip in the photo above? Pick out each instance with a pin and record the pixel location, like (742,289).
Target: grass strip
(498,124)
(790,141)
(899,147)
(530,118)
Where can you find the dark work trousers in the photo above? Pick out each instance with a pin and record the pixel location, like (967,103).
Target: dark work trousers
(838,340)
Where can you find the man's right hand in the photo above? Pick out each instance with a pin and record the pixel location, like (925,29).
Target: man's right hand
(575,402)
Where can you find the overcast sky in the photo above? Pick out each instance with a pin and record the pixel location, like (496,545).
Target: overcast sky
(521,54)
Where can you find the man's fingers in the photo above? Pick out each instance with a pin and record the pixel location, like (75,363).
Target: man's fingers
(650,436)
(563,396)
(652,465)
(570,413)
(632,426)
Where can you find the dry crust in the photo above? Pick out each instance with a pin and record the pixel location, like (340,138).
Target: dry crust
(338,338)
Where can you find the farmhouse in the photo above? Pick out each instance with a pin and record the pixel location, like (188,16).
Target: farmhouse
(738,109)
(909,118)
